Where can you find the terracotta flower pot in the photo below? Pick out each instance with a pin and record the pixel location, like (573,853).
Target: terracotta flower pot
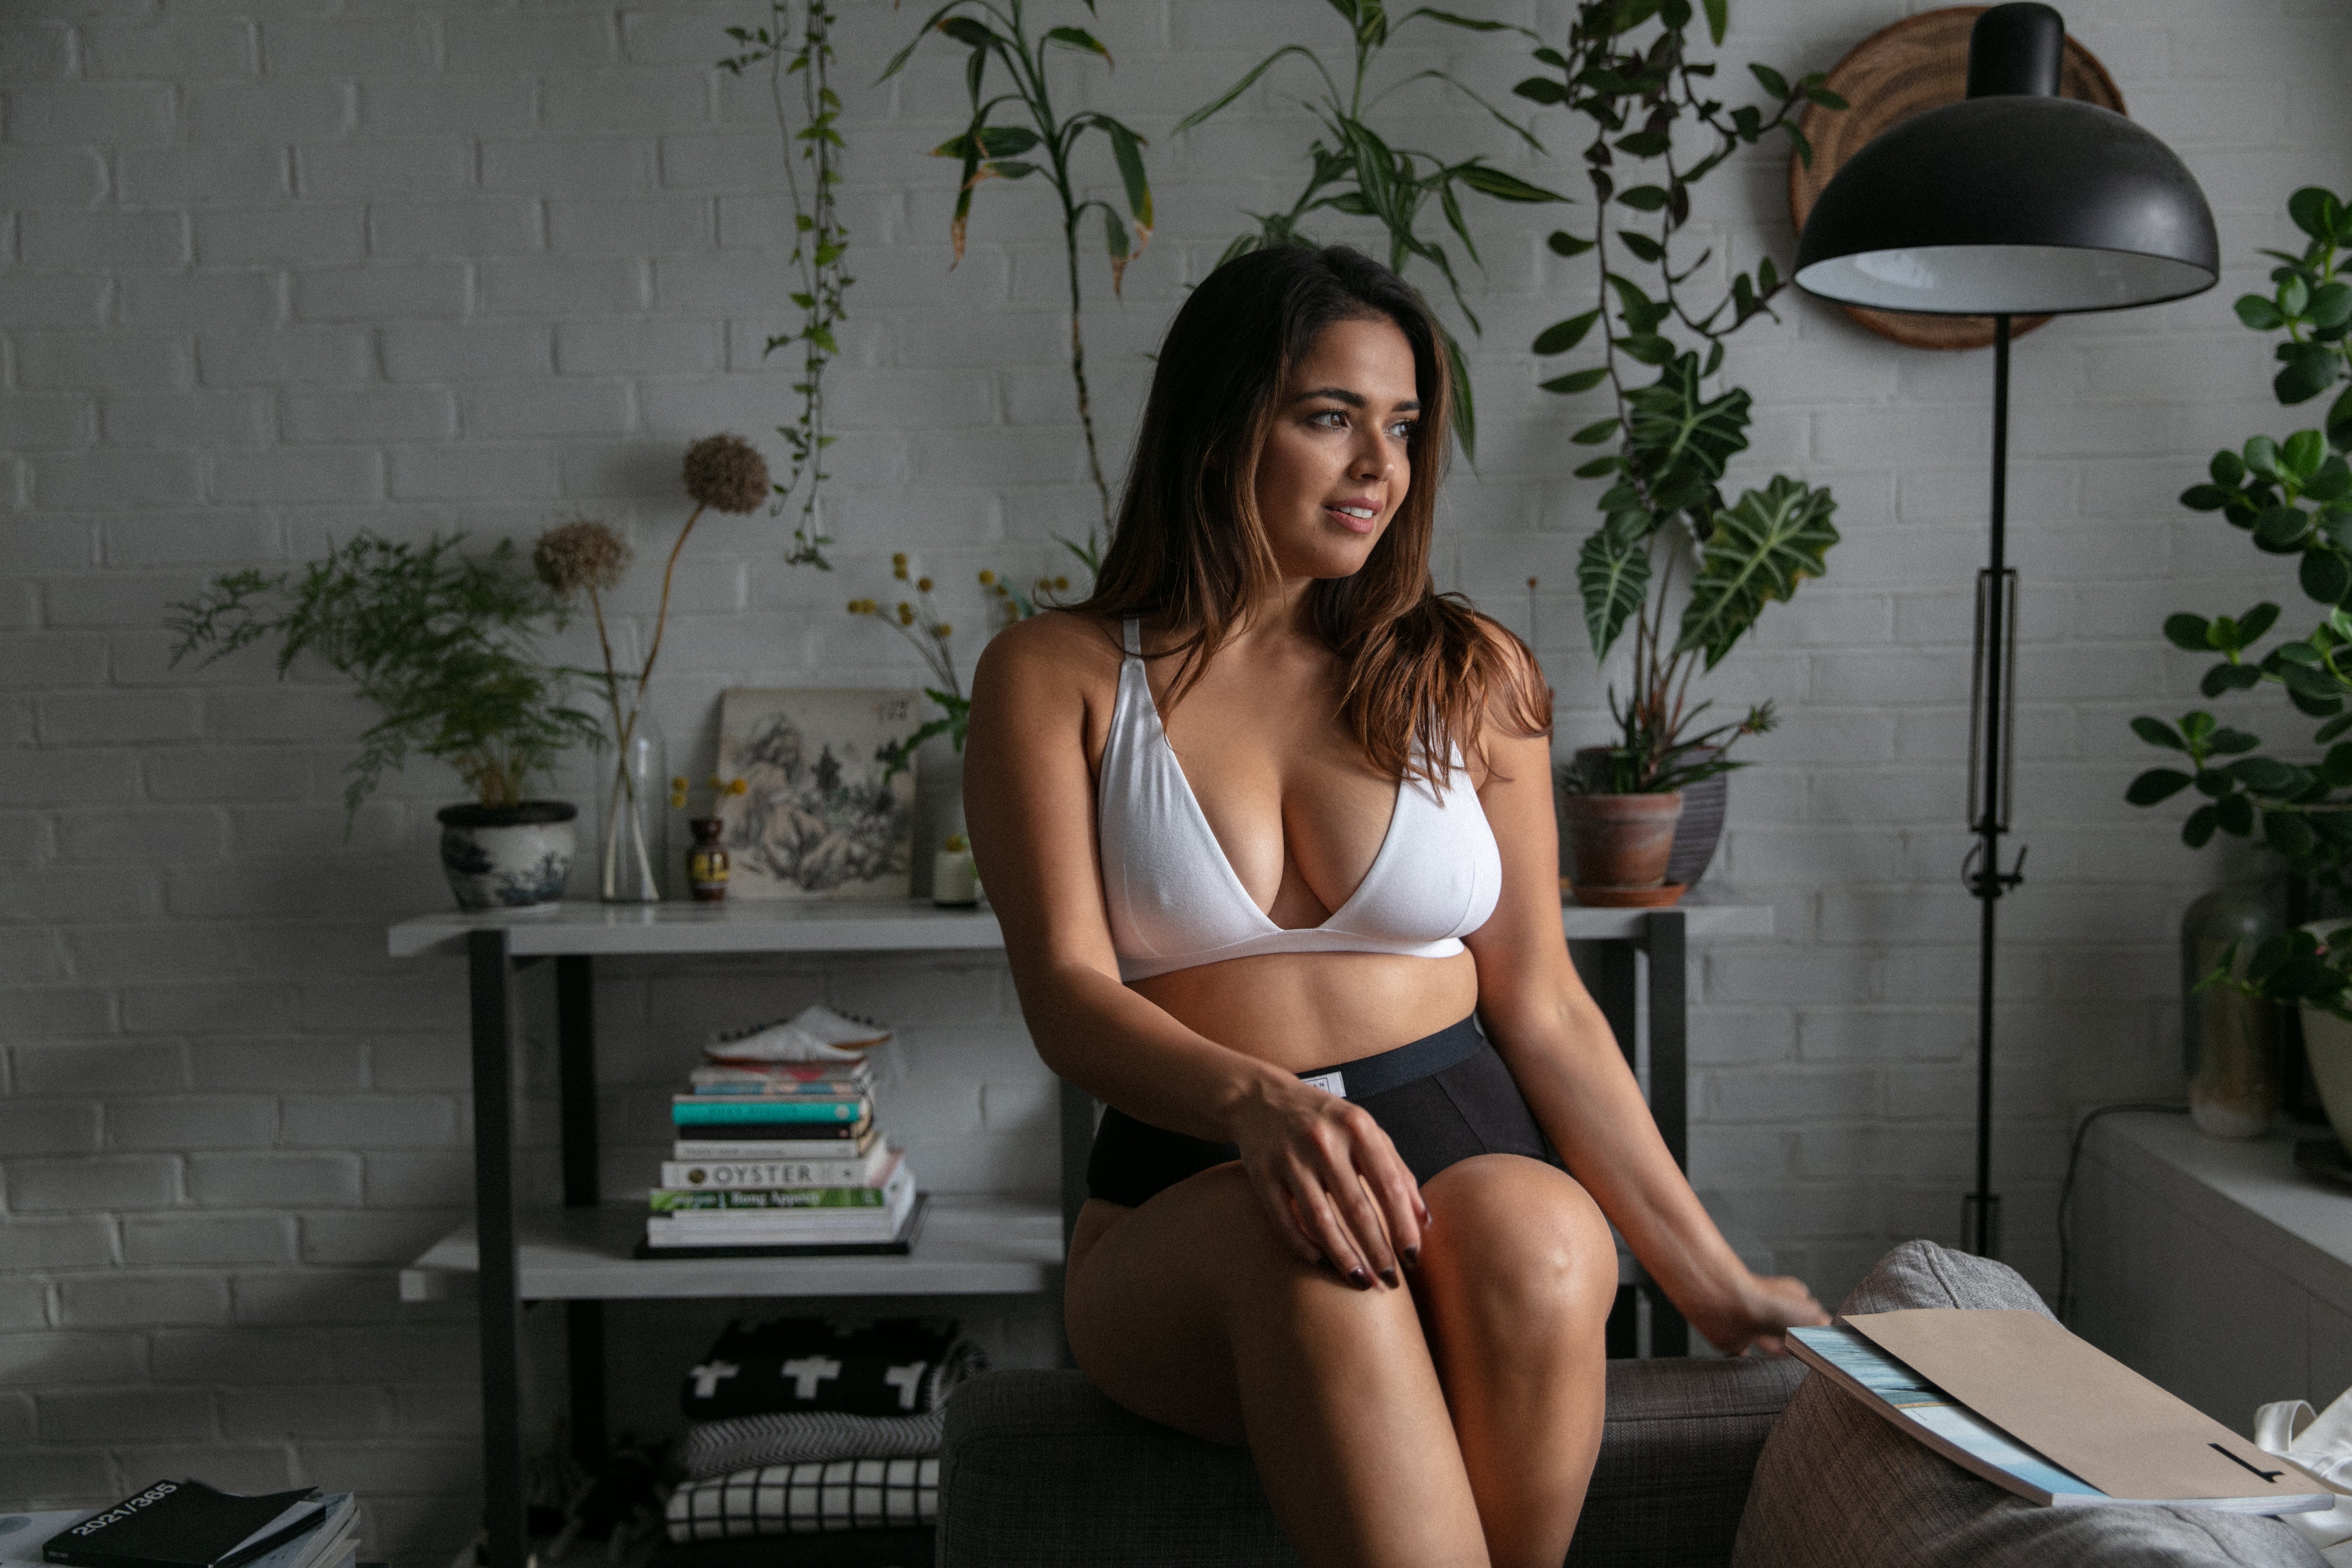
(1620,841)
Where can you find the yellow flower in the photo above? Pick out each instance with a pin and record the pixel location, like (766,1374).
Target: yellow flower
(677,784)
(943,631)
(957,843)
(906,614)
(899,567)
(987,578)
(738,786)
(922,584)
(1061,585)
(677,802)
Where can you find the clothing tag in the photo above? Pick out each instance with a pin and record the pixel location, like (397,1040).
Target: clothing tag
(1328,1083)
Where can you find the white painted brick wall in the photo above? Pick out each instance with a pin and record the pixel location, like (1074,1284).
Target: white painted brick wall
(273,271)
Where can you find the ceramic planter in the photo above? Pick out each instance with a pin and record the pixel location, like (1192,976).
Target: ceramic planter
(1618,846)
(506,857)
(1700,828)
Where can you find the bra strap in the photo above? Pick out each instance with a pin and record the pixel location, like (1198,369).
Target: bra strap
(1132,636)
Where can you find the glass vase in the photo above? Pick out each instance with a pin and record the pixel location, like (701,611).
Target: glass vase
(632,836)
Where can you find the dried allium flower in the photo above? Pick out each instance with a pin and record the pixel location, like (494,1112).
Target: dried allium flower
(581,553)
(726,472)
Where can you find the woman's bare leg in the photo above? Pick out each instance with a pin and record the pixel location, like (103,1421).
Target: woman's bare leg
(1517,1274)
(1190,1311)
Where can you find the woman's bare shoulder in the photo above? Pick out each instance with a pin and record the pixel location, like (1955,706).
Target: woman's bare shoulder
(1053,650)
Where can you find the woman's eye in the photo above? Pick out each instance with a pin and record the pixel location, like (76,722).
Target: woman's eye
(1403,428)
(1338,418)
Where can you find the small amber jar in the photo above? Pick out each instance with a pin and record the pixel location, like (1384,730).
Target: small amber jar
(707,864)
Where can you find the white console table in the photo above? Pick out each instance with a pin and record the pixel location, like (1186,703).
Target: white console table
(2213,1265)
(1632,960)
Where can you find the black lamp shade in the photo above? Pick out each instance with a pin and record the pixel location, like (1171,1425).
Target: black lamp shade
(2018,203)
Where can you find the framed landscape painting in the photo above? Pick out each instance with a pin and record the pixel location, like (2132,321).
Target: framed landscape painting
(817,819)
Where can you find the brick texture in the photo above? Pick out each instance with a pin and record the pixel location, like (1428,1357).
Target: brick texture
(271,273)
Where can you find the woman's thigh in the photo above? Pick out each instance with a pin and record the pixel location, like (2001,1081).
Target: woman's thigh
(1166,1304)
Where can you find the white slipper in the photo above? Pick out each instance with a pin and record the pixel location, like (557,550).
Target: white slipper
(816,1033)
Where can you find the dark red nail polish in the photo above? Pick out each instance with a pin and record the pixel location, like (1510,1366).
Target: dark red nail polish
(1360,1280)
(1412,1257)
(1389,1277)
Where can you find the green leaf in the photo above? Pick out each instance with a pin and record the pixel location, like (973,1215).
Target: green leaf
(2331,305)
(2339,422)
(2331,482)
(1647,249)
(2262,455)
(1078,38)
(1613,576)
(1249,80)
(2281,528)
(2336,766)
(2228,468)
(1644,143)
(2287,832)
(1598,467)
(2187,632)
(2228,742)
(1576,381)
(2257,311)
(1563,243)
(2264,776)
(1647,347)
(2293,295)
(2315,211)
(1127,151)
(2325,575)
(1674,432)
(2156,732)
(1772,81)
(964,30)
(2224,677)
(1826,99)
(1761,549)
(2205,497)
(2235,814)
(1541,90)
(1489,181)
(2311,369)
(2155,785)
(1563,336)
(1006,141)
(2198,831)
(1599,430)
(1465,407)
(2255,622)
(1644,198)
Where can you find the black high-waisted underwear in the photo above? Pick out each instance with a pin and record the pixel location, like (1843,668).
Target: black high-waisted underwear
(1441,1099)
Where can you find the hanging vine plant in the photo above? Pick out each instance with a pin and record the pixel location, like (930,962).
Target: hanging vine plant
(998,33)
(820,243)
(1640,90)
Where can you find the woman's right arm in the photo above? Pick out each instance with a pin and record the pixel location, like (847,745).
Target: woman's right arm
(1029,797)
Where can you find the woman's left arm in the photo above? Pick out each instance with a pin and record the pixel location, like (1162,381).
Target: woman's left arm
(1560,1049)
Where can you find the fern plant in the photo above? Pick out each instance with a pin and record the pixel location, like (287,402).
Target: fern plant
(442,643)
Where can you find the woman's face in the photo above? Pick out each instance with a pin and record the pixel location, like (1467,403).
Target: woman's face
(1336,463)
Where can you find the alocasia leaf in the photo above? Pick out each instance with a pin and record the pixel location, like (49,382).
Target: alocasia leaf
(1761,548)
(1613,574)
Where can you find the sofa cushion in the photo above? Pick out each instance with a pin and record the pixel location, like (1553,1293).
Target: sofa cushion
(1837,1486)
(1038,1469)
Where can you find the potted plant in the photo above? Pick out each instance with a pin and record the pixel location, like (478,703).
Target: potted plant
(2293,499)
(1672,437)
(444,645)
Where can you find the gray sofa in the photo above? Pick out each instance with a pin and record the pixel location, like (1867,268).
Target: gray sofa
(1038,1470)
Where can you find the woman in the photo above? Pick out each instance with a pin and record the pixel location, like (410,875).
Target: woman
(1266,803)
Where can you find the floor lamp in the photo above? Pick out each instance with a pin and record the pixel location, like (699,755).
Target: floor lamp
(2014,201)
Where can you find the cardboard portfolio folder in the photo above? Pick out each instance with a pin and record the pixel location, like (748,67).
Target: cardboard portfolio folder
(2079,1406)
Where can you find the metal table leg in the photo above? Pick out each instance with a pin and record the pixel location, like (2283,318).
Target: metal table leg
(584,1321)
(494,1233)
(1662,940)
(1610,972)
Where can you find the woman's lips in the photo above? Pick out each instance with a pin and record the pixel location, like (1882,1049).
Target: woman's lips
(1350,521)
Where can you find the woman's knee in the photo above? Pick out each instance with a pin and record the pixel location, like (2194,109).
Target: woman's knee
(1524,1238)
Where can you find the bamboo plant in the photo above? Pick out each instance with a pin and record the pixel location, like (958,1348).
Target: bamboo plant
(1354,169)
(997,33)
(1637,86)
(820,242)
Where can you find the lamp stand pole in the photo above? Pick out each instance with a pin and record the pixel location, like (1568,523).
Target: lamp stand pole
(1991,749)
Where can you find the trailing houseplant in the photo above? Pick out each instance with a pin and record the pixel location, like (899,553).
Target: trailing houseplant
(996,32)
(820,242)
(1626,69)
(2292,497)
(444,645)
(1355,169)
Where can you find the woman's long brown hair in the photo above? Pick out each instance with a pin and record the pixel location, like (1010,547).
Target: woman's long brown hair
(1421,670)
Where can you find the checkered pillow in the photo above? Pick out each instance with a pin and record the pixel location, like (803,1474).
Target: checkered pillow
(803,1498)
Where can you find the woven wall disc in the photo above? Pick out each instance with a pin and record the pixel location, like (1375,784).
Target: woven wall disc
(1918,64)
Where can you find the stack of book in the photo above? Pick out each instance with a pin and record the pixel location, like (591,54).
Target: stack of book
(779,1151)
(187,1524)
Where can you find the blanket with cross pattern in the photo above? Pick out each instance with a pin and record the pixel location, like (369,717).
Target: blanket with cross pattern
(893,1366)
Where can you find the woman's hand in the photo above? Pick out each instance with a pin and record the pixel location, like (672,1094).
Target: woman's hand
(1332,1182)
(1755,1314)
